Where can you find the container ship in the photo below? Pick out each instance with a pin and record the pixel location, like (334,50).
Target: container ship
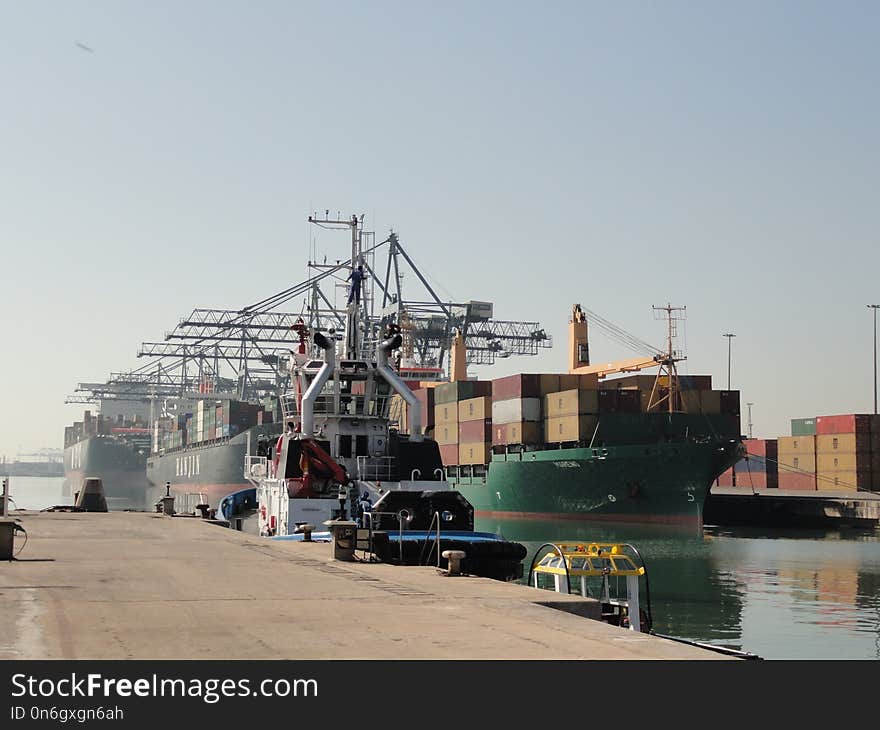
(600,441)
(200,454)
(113,447)
(583,445)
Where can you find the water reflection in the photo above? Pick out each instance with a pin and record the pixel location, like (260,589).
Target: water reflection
(781,593)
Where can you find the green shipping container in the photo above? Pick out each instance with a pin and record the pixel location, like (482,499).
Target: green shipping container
(803,426)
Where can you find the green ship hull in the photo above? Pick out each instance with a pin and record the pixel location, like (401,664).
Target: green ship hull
(656,481)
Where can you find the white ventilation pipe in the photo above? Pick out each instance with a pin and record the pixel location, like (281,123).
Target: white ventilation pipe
(308,401)
(393,379)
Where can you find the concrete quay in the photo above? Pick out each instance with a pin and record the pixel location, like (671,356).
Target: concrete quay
(124,585)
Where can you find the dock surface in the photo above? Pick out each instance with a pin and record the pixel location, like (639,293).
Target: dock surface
(125,585)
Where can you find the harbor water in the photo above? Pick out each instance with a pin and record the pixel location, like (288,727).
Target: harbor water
(780,594)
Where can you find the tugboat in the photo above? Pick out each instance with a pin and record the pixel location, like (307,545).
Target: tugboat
(339,458)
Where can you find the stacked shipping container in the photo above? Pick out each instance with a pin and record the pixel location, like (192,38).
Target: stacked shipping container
(758,470)
(845,451)
(448,400)
(836,453)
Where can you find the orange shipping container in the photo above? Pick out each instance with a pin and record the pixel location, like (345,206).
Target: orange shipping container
(571,403)
(446,433)
(796,445)
(446,413)
(569,428)
(522,432)
(843,461)
(474,453)
(475,409)
(797,462)
(843,443)
(843,480)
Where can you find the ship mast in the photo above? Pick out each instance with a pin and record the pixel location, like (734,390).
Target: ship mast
(353,310)
(667,361)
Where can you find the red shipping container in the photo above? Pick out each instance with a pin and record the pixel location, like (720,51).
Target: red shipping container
(755,480)
(449,454)
(767,448)
(796,480)
(425,396)
(849,423)
(516,386)
(726,479)
(471,431)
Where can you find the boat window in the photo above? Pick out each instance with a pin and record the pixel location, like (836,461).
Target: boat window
(291,467)
(579,564)
(345,445)
(362,446)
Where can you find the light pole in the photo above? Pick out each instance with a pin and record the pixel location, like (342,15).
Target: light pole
(875,307)
(729,336)
(750,418)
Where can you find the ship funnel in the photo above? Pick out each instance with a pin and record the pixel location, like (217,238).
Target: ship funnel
(415,407)
(311,395)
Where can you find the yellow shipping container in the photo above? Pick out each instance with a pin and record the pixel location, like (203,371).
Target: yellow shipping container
(569,428)
(475,409)
(571,403)
(834,443)
(804,461)
(843,461)
(796,445)
(843,480)
(474,453)
(446,413)
(446,433)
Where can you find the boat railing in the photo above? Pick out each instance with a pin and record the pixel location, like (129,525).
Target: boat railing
(377,468)
(189,502)
(351,404)
(257,467)
(403,517)
(435,543)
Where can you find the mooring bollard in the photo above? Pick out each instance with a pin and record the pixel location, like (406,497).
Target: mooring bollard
(454,557)
(307,532)
(168,506)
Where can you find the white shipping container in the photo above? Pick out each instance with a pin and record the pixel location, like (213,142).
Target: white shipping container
(516,409)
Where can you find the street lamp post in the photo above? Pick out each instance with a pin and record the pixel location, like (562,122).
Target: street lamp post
(729,336)
(750,418)
(875,307)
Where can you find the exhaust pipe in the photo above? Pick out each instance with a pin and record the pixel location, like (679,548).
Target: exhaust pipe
(415,408)
(308,401)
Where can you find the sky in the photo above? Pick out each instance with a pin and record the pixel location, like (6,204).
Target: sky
(718,156)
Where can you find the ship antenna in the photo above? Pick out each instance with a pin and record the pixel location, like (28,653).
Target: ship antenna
(667,361)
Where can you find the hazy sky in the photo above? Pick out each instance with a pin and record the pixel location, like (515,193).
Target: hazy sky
(721,156)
